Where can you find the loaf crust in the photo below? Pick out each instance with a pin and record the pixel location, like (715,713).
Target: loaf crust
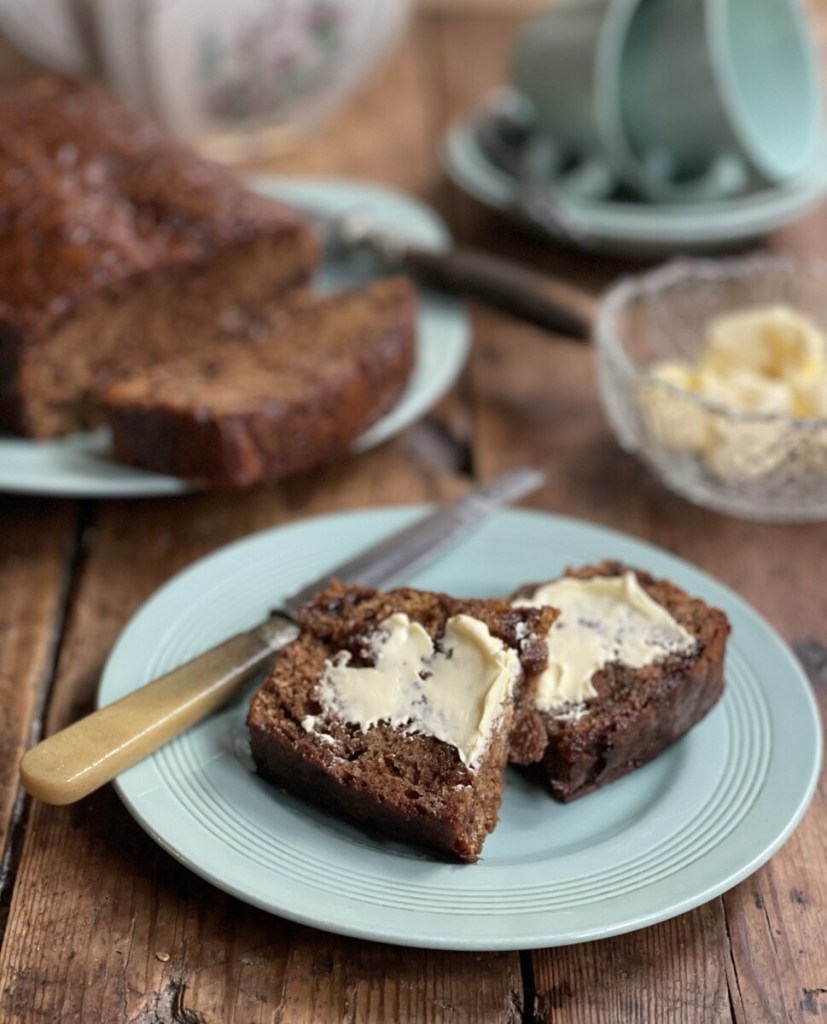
(637,713)
(413,788)
(292,387)
(115,239)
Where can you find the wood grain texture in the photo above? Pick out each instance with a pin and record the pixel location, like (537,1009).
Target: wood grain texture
(37,540)
(776,918)
(115,930)
(332,980)
(672,972)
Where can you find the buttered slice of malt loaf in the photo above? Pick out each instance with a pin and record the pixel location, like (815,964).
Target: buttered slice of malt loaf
(394,709)
(290,386)
(634,662)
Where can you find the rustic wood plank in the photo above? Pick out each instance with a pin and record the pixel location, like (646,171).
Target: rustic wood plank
(672,971)
(373,982)
(776,918)
(776,929)
(36,547)
(104,926)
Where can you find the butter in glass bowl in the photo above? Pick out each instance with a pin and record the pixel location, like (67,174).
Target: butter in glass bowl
(715,374)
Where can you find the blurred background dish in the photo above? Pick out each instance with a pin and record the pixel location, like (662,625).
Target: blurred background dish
(714,373)
(647,128)
(620,224)
(702,81)
(683,100)
(237,79)
(81,464)
(47,32)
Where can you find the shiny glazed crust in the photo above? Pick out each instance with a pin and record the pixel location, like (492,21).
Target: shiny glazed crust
(93,192)
(110,230)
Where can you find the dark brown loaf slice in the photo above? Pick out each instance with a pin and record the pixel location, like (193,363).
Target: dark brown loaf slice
(293,385)
(412,787)
(117,245)
(638,712)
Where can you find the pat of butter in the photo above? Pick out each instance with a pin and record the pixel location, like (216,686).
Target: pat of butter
(768,361)
(602,620)
(675,421)
(455,692)
(809,395)
(739,452)
(745,390)
(774,341)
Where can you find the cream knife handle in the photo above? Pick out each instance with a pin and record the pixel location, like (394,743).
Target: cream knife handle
(74,762)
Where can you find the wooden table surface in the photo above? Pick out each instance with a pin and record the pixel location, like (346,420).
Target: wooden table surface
(99,924)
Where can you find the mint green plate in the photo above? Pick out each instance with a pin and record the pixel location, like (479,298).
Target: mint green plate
(639,230)
(681,830)
(80,465)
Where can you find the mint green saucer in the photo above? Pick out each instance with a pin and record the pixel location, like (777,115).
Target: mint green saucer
(689,825)
(637,230)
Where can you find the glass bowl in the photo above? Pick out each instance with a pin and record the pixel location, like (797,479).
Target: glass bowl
(759,465)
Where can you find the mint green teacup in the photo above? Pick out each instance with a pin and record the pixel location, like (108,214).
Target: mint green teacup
(564,61)
(706,85)
(680,100)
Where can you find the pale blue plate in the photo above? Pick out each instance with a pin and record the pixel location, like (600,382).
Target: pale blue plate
(679,831)
(638,230)
(81,465)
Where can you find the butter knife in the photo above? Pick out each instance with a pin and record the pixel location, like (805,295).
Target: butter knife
(493,280)
(92,751)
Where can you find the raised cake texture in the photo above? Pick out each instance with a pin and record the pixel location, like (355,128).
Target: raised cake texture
(409,785)
(280,388)
(636,713)
(118,245)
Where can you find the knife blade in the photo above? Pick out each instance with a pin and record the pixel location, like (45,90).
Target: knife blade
(461,270)
(82,757)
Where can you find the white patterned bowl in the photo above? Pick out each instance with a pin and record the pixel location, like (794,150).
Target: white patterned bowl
(213,70)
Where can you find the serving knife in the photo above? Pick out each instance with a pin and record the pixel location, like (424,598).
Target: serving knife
(92,751)
(494,280)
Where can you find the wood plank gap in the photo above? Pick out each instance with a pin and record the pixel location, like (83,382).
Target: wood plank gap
(733,983)
(76,556)
(529,989)
(10,861)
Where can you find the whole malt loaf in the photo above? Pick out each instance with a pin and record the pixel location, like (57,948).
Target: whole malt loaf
(118,244)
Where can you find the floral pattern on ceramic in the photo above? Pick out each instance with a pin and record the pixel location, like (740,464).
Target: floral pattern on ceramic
(212,67)
(271,61)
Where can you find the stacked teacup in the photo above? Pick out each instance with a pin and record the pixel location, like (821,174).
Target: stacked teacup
(675,100)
